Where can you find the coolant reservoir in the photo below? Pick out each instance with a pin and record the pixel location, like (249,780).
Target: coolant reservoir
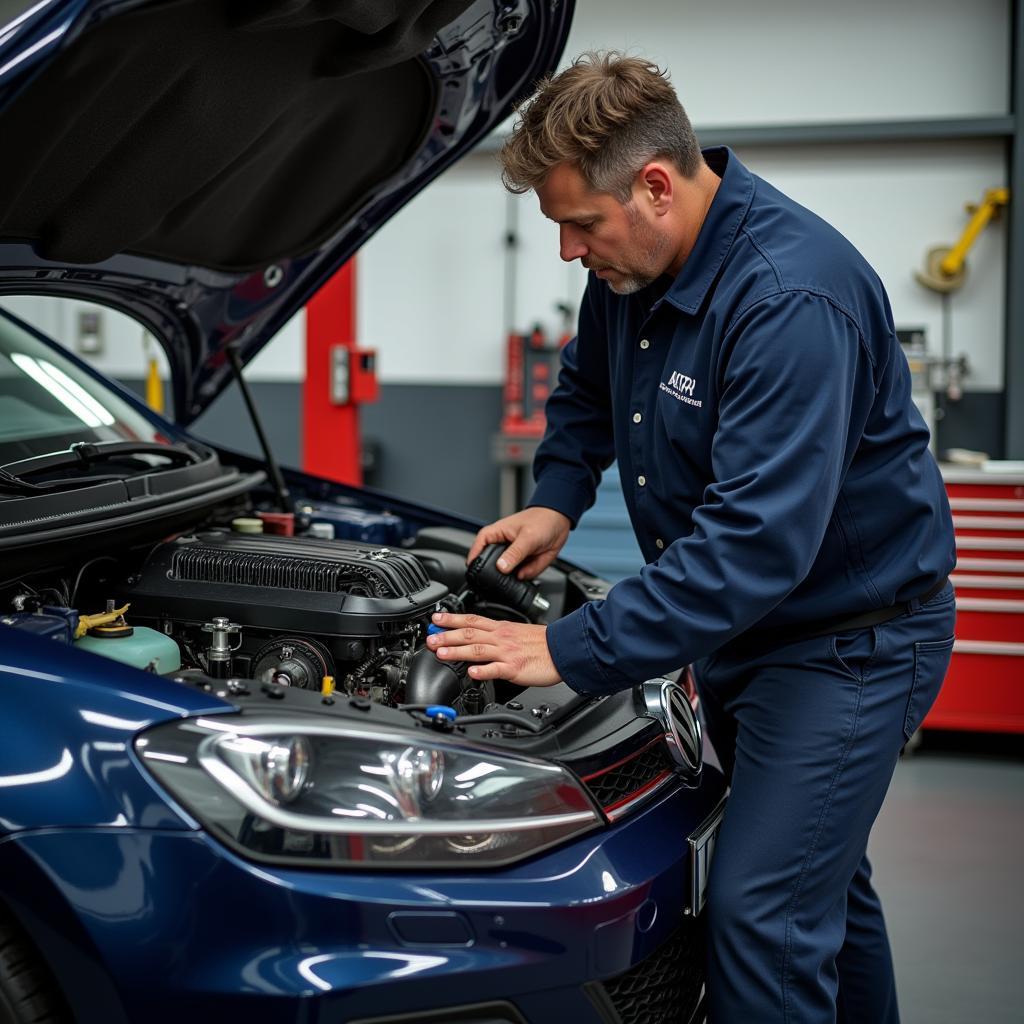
(141,648)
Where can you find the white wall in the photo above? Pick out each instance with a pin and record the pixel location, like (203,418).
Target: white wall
(430,283)
(285,357)
(743,62)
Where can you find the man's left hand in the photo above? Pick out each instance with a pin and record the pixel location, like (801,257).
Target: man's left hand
(516,651)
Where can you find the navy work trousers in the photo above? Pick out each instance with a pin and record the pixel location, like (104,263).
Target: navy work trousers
(809,734)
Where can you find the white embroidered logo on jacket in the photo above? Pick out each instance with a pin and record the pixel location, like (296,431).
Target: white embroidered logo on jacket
(680,386)
(682,382)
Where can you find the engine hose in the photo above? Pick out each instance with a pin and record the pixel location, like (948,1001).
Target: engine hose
(372,662)
(431,681)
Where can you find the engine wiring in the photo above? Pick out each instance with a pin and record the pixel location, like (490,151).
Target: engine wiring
(81,573)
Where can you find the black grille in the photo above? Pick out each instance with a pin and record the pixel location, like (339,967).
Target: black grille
(201,565)
(619,783)
(666,987)
(294,563)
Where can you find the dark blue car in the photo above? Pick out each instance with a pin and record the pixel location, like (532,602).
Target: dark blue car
(234,783)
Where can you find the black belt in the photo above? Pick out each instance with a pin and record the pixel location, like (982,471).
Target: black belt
(767,638)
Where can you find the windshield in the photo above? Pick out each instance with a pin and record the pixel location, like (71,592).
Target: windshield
(47,403)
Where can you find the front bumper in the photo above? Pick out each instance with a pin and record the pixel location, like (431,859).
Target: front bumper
(154,925)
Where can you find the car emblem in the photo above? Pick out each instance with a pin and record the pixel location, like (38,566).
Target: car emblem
(666,702)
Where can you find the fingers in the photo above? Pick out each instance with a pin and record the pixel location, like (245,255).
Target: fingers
(516,651)
(528,533)
(537,543)
(513,555)
(466,638)
(493,534)
(458,637)
(493,670)
(535,566)
(469,652)
(452,620)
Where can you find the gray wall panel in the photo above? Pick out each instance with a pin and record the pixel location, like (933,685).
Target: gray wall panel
(976,421)
(434,444)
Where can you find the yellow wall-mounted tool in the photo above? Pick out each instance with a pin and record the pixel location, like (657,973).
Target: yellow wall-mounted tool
(945,268)
(154,386)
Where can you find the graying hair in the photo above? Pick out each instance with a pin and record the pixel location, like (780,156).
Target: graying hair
(606,114)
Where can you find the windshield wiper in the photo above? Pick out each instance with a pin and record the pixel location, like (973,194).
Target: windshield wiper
(84,454)
(12,485)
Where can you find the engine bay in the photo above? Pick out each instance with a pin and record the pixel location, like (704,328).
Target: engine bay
(326,610)
(293,606)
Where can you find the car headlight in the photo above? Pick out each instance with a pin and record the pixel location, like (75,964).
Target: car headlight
(298,792)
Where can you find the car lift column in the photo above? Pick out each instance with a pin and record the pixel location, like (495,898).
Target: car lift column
(338,377)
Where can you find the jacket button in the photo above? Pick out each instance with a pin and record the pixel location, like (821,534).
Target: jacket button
(637,417)
(645,343)
(659,544)
(642,481)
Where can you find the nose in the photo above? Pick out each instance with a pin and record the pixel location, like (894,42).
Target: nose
(570,246)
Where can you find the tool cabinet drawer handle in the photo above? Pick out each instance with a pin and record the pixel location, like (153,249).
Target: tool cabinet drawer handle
(989,604)
(1006,648)
(987,523)
(987,582)
(987,505)
(989,544)
(1010,565)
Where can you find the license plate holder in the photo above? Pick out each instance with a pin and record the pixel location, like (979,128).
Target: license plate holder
(702,846)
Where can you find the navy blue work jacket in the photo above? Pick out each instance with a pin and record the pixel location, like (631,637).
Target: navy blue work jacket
(775,469)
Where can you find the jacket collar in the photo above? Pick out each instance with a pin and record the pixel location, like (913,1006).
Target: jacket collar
(718,232)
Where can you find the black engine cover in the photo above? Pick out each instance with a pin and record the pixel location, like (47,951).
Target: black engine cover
(284,583)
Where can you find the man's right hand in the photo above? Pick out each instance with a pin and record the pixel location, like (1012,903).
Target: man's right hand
(535,536)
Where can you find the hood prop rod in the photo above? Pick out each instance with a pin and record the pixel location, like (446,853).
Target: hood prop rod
(284,498)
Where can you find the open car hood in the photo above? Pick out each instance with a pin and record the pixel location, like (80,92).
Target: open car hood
(206,165)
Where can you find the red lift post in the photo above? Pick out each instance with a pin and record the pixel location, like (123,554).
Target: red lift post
(339,377)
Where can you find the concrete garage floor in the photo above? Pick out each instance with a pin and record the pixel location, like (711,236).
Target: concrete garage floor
(948,857)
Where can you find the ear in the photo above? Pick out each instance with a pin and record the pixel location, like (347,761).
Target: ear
(656,186)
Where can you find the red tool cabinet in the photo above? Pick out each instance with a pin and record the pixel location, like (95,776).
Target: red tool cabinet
(984,689)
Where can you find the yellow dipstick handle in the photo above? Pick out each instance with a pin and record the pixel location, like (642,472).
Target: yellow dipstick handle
(86,622)
(327,686)
(954,259)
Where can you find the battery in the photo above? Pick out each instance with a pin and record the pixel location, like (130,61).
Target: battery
(356,523)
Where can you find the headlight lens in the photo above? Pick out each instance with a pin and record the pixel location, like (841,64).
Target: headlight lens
(277,769)
(354,795)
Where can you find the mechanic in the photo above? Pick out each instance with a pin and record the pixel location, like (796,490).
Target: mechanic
(737,357)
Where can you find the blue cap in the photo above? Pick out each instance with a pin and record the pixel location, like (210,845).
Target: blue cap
(434,628)
(433,710)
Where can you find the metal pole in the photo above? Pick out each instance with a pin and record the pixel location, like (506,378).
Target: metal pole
(509,292)
(284,498)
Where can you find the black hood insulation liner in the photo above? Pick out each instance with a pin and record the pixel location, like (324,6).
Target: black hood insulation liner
(223,133)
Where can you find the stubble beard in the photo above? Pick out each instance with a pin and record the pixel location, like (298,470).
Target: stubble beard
(649,248)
